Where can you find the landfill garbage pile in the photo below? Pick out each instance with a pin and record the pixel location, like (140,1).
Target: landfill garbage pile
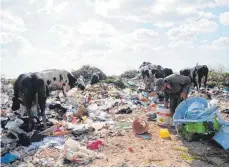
(87,72)
(78,125)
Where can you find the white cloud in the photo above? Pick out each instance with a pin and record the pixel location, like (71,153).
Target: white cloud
(224,18)
(109,34)
(50,7)
(222,2)
(11,23)
(222,42)
(191,30)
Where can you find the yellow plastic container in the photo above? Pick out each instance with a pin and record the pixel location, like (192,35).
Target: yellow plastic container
(164,133)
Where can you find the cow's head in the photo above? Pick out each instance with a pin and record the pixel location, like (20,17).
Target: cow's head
(72,80)
(16,103)
(80,83)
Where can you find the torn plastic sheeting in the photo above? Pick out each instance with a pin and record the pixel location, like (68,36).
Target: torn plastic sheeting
(34,146)
(222,136)
(12,125)
(75,152)
(60,139)
(93,107)
(76,127)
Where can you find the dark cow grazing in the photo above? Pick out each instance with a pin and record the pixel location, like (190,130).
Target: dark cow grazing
(167,71)
(29,89)
(60,80)
(185,72)
(94,79)
(197,73)
(150,72)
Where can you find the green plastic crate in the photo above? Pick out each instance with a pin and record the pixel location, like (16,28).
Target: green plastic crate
(195,127)
(202,127)
(216,125)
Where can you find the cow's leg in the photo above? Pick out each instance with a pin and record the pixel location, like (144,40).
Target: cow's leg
(199,81)
(196,79)
(42,102)
(195,84)
(57,94)
(64,90)
(37,105)
(146,83)
(42,99)
(28,98)
(205,81)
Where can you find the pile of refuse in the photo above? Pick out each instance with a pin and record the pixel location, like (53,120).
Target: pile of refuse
(78,125)
(87,72)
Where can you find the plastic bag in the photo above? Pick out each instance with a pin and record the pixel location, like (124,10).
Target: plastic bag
(8,158)
(94,145)
(12,125)
(73,151)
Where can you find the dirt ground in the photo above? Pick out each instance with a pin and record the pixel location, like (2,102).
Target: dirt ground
(172,152)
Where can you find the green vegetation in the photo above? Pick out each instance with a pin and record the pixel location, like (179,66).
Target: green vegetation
(218,77)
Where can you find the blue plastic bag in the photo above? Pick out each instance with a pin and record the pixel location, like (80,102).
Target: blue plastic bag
(8,158)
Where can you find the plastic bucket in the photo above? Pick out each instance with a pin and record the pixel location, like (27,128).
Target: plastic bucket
(163,116)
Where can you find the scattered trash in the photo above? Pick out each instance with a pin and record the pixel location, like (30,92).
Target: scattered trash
(225,111)
(164,133)
(8,158)
(130,149)
(163,116)
(152,116)
(140,126)
(75,152)
(213,103)
(222,137)
(94,145)
(108,108)
(125,111)
(144,136)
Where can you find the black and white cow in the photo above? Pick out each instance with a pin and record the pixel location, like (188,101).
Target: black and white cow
(59,80)
(30,89)
(167,71)
(27,86)
(150,72)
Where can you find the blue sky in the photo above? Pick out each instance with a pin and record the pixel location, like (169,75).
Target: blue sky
(113,35)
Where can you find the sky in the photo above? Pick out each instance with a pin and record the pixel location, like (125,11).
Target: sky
(113,35)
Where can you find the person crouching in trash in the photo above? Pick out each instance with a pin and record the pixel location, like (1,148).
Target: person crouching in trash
(175,88)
